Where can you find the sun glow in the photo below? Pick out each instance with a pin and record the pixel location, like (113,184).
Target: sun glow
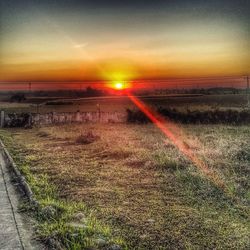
(119,85)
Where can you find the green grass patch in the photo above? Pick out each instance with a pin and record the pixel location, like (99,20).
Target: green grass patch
(60,224)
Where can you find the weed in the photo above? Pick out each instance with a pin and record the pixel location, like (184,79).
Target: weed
(87,138)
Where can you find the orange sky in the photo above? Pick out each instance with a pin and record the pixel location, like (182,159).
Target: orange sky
(43,44)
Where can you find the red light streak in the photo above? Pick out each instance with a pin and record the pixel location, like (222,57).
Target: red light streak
(171,131)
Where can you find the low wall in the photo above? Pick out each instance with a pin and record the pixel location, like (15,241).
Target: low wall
(22,120)
(68,117)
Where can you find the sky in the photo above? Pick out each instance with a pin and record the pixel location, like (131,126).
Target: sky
(70,40)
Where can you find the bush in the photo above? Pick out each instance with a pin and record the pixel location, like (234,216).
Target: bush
(87,138)
(207,117)
(136,116)
(43,134)
(19,120)
(18,97)
(194,117)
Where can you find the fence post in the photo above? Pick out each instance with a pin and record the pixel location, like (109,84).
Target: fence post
(2,119)
(78,116)
(99,111)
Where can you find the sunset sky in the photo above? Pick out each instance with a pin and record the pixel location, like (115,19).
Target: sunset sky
(67,40)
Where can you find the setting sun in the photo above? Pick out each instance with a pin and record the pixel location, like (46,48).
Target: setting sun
(119,85)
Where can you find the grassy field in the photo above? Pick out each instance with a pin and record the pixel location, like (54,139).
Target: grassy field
(237,101)
(136,189)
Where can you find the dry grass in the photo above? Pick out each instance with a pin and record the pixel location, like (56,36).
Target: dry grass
(139,184)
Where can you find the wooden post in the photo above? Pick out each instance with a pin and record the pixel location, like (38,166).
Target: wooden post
(99,111)
(78,116)
(2,119)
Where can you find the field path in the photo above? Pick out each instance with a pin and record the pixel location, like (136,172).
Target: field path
(15,230)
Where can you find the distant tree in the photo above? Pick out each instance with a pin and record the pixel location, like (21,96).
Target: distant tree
(18,97)
(92,92)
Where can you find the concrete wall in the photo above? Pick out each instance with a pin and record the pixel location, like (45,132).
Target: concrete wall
(65,117)
(83,117)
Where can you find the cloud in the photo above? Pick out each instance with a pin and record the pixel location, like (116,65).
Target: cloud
(82,45)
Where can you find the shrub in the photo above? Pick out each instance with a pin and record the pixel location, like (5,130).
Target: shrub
(194,117)
(136,116)
(43,134)
(19,120)
(205,117)
(87,138)
(18,97)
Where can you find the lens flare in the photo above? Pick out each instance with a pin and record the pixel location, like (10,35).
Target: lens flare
(172,132)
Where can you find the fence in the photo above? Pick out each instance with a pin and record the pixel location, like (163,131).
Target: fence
(28,119)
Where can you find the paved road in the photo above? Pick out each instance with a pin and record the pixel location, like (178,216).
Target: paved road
(15,229)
